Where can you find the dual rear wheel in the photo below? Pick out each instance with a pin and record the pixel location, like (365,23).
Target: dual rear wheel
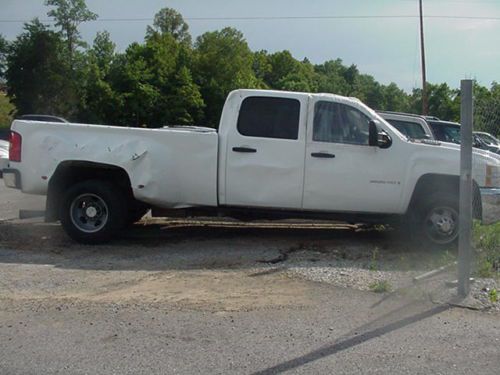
(94,211)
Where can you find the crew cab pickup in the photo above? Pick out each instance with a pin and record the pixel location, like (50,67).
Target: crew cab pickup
(276,155)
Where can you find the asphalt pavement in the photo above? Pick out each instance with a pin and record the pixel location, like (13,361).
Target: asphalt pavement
(204,301)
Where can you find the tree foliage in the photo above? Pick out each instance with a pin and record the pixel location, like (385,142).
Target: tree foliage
(167,80)
(6,111)
(169,21)
(223,62)
(4,48)
(37,72)
(69,14)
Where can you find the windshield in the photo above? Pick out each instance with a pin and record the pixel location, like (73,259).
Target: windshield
(489,139)
(445,132)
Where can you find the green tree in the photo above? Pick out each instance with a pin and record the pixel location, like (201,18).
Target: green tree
(37,73)
(287,73)
(68,15)
(487,108)
(6,111)
(99,102)
(4,48)
(102,51)
(154,84)
(185,102)
(261,67)
(330,78)
(394,98)
(443,101)
(169,21)
(223,62)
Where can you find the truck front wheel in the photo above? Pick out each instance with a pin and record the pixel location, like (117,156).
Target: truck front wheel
(93,211)
(437,221)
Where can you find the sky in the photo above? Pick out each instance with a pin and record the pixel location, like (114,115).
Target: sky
(383,42)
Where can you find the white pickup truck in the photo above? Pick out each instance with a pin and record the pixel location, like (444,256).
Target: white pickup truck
(276,155)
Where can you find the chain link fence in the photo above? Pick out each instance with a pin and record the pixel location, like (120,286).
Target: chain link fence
(479,249)
(487,122)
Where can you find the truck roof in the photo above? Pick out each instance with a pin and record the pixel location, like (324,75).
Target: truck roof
(294,93)
(432,118)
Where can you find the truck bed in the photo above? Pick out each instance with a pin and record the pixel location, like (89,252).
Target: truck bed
(169,167)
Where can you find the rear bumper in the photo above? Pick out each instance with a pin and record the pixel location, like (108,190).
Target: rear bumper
(12,178)
(490,198)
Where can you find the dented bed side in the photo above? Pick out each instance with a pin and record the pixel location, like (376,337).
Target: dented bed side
(168,167)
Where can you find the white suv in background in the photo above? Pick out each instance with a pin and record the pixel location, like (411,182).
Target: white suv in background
(4,155)
(413,126)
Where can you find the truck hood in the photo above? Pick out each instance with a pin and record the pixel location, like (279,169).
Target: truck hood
(484,155)
(477,153)
(485,164)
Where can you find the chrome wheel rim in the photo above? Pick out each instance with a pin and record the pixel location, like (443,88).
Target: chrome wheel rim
(441,225)
(89,213)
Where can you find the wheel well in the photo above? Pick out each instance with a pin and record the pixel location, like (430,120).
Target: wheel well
(431,183)
(69,173)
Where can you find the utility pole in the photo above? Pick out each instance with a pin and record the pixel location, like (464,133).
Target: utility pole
(425,105)
(465,220)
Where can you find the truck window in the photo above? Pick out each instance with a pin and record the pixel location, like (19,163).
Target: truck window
(445,132)
(410,129)
(268,117)
(338,123)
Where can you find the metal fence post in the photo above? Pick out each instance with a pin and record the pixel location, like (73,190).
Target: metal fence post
(465,221)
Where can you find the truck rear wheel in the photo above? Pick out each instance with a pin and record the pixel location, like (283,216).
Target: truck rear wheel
(437,221)
(93,211)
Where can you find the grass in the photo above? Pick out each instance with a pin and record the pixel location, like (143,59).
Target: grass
(487,245)
(373,266)
(493,294)
(6,110)
(381,286)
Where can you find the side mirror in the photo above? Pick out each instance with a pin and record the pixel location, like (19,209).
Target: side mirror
(382,139)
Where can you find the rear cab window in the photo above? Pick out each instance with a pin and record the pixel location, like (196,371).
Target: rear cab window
(269,117)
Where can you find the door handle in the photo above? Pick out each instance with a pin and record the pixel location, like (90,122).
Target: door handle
(324,155)
(244,149)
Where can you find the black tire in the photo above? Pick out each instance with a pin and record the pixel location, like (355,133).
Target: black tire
(435,221)
(93,211)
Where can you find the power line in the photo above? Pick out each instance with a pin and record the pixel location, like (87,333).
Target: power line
(272,18)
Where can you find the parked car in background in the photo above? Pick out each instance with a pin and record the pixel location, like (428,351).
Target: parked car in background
(487,141)
(4,156)
(488,138)
(45,118)
(429,127)
(413,126)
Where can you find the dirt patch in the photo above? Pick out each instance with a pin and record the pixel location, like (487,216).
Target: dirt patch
(204,290)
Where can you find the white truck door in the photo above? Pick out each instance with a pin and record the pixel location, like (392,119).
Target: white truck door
(344,173)
(265,152)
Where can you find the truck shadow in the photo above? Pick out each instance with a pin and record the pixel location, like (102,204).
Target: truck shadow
(205,245)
